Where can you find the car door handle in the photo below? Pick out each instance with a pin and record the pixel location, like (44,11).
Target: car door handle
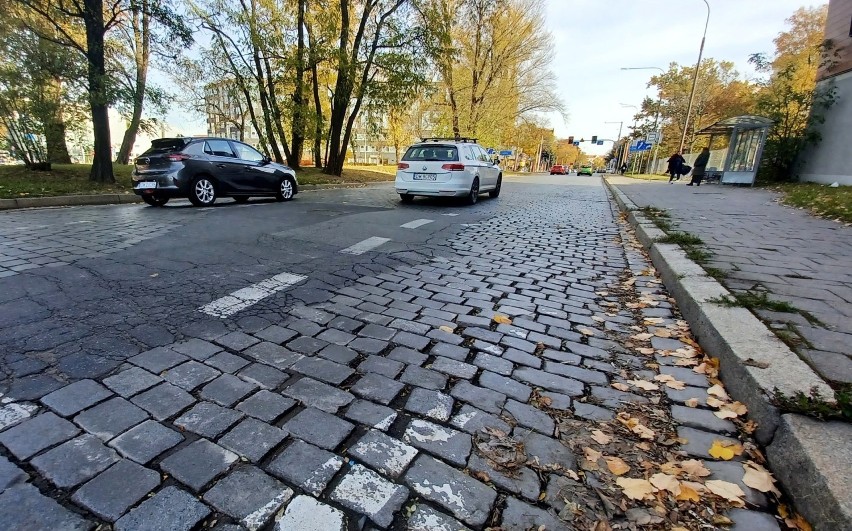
(221,165)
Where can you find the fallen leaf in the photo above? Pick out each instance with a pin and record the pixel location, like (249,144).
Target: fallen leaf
(645,350)
(598,319)
(692,402)
(571,474)
(676,384)
(643,431)
(664,378)
(712,401)
(754,363)
(586,331)
(602,525)
(725,414)
(645,385)
(723,450)
(727,490)
(621,386)
(695,468)
(600,437)
(641,516)
(671,468)
(447,329)
(662,332)
(501,319)
(666,482)
(718,391)
(636,489)
(616,465)
(798,522)
(592,454)
(645,447)
(759,478)
(482,476)
(737,408)
(642,337)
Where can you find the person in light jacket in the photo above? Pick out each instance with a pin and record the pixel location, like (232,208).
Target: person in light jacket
(700,167)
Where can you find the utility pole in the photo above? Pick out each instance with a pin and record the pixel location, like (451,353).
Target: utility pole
(694,80)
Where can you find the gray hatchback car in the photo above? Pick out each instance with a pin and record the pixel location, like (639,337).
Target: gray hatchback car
(204,169)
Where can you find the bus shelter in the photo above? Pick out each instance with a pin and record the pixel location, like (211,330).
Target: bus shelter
(746,138)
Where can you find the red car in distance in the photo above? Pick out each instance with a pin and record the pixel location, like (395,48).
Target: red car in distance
(557,169)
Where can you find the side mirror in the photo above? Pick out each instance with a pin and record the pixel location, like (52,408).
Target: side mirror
(265,160)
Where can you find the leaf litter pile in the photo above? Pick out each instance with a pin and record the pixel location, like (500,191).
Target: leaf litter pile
(631,473)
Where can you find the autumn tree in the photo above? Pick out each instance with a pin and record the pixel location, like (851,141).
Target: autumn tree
(788,93)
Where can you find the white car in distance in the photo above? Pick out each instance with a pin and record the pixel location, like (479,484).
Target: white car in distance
(447,167)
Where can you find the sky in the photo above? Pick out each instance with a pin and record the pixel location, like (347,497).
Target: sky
(594,39)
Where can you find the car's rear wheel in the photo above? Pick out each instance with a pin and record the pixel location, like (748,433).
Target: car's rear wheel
(406,198)
(241,198)
(286,189)
(155,200)
(473,195)
(495,193)
(202,192)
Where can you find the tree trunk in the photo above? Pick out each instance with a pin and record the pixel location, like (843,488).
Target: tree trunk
(54,124)
(318,125)
(142,38)
(297,130)
(98,99)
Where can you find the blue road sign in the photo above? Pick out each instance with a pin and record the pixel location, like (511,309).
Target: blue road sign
(576,143)
(640,145)
(600,142)
(506,153)
(491,151)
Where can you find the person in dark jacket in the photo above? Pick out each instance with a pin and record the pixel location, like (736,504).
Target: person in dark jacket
(623,168)
(675,164)
(700,167)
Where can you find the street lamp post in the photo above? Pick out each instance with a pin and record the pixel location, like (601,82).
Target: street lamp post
(618,156)
(634,126)
(695,79)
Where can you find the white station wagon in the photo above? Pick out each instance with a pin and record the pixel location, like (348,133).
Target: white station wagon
(447,167)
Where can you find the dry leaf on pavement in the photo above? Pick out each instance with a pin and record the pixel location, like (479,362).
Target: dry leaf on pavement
(621,386)
(447,329)
(592,454)
(586,331)
(759,478)
(727,490)
(695,468)
(645,350)
(725,450)
(616,465)
(645,385)
(642,337)
(600,437)
(501,319)
(719,392)
(671,468)
(643,431)
(662,332)
(687,493)
(636,489)
(692,402)
(676,384)
(725,414)
(666,482)
(712,401)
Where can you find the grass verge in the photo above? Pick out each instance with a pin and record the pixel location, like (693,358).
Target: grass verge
(647,176)
(659,217)
(73,179)
(815,405)
(754,301)
(682,239)
(820,199)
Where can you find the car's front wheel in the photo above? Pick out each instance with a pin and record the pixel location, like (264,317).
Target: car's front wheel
(286,189)
(495,193)
(473,195)
(202,192)
(154,200)
(406,198)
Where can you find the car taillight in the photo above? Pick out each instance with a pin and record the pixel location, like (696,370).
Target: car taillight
(402,166)
(453,167)
(177,157)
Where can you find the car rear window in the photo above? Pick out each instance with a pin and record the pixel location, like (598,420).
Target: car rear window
(431,153)
(166,145)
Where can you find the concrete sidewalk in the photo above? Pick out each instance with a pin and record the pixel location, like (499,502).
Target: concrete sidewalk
(763,245)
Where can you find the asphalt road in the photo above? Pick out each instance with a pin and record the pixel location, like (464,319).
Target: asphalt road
(91,286)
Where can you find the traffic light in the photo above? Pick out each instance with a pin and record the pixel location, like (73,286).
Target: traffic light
(595,139)
(570,139)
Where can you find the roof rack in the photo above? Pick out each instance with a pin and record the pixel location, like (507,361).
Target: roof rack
(450,139)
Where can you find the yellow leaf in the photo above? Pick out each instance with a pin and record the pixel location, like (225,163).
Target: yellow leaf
(501,319)
(725,489)
(600,437)
(621,386)
(718,391)
(720,450)
(758,478)
(592,454)
(799,522)
(645,385)
(692,402)
(737,408)
(695,468)
(636,489)
(666,482)
(616,465)
(447,329)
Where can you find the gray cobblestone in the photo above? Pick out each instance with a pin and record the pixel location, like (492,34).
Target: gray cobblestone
(265,405)
(450,351)
(131,381)
(615,399)
(75,461)
(110,418)
(263,375)
(698,442)
(276,334)
(236,341)
(253,439)
(485,399)
(468,499)
(519,515)
(366,492)
(472,420)
(157,360)
(191,375)
(34,435)
(370,414)
(338,354)
(407,339)
(523,480)
(592,412)
(114,491)
(577,373)
(10,474)
(430,404)
(389,456)
(377,332)
(324,370)
(408,356)
(425,518)
(445,337)
(702,419)
(171,508)
(522,358)
(336,337)
(307,514)
(226,362)
(480,345)
(24,507)
(197,349)
(306,466)
(319,428)
(453,367)
(548,451)
(530,417)
(506,386)
(146,441)
(208,419)
(249,496)
(198,463)
(163,401)
(272,354)
(549,381)
(317,394)
(226,390)
(377,387)
(493,363)
(565,357)
(75,397)
(366,345)
(307,345)
(447,443)
(421,377)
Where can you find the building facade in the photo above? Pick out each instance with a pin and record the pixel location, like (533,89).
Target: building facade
(227,113)
(830,160)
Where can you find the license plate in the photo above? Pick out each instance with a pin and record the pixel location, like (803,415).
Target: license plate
(425,177)
(146,185)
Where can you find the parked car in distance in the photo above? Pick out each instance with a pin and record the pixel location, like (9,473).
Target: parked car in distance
(585,169)
(557,169)
(204,169)
(447,167)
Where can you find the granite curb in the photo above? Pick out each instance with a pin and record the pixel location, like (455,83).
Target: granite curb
(798,452)
(116,199)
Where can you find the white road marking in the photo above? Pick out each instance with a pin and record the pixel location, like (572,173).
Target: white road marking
(416,223)
(245,297)
(366,245)
(449,214)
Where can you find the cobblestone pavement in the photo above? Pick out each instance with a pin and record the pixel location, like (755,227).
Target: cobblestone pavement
(464,391)
(764,246)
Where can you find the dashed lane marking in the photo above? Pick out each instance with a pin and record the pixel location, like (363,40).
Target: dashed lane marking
(416,223)
(245,297)
(454,214)
(366,245)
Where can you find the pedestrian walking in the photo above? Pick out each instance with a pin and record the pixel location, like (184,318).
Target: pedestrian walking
(675,167)
(700,167)
(623,167)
